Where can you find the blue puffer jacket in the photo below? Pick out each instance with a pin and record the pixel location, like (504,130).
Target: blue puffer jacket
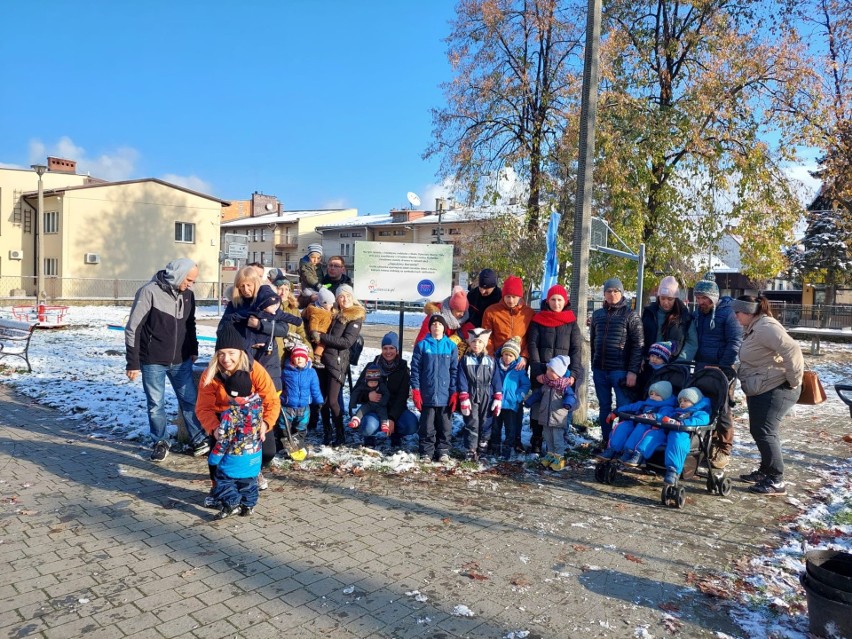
(434,370)
(478,377)
(663,408)
(719,335)
(300,386)
(697,415)
(516,385)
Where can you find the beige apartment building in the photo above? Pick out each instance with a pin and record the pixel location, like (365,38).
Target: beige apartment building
(96,233)
(278,239)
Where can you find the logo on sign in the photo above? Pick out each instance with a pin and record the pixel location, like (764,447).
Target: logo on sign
(425,287)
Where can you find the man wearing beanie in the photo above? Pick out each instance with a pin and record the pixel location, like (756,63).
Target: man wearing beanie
(719,336)
(616,339)
(161,342)
(484,295)
(509,317)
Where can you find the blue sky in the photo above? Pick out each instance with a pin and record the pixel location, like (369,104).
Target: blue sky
(322,103)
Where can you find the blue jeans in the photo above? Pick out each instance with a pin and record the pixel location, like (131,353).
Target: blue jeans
(404,426)
(605,383)
(154,384)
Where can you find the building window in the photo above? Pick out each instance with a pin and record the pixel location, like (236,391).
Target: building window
(342,249)
(51,222)
(399,233)
(344,235)
(357,234)
(184,232)
(435,231)
(455,231)
(384,233)
(51,266)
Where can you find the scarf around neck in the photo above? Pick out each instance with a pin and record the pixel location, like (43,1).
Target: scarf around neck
(552,319)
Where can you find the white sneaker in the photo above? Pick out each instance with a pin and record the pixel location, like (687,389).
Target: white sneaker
(262,483)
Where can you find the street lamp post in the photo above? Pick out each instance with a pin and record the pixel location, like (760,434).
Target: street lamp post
(39,262)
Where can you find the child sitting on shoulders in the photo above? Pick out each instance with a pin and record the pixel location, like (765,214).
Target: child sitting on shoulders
(552,405)
(694,410)
(627,433)
(318,316)
(516,385)
(299,389)
(373,381)
(310,272)
(480,393)
(237,453)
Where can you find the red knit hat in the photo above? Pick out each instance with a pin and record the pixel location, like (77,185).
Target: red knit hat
(298,351)
(458,299)
(557,289)
(513,285)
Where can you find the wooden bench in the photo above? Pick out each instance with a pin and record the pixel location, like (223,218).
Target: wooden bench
(15,340)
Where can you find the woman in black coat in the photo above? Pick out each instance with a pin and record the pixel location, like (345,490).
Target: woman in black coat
(341,335)
(553,331)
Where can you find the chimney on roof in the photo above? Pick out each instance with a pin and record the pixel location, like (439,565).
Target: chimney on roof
(61,165)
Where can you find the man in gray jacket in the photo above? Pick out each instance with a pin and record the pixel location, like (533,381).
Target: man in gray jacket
(161,342)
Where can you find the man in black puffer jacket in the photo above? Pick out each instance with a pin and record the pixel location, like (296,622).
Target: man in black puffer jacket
(616,338)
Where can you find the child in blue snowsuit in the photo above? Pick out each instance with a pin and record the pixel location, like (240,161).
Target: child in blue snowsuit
(480,393)
(434,375)
(299,389)
(552,405)
(694,410)
(516,385)
(237,453)
(627,433)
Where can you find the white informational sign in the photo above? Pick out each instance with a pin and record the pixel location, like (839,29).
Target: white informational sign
(238,251)
(403,272)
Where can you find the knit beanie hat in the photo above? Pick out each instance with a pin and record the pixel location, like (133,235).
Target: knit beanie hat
(708,288)
(437,317)
(691,394)
(324,296)
(663,350)
(478,334)
(487,278)
(238,384)
(315,248)
(229,337)
(266,297)
(557,289)
(661,388)
(615,283)
(559,364)
(298,351)
(276,276)
(344,288)
(372,373)
(458,299)
(513,285)
(668,287)
(391,339)
(513,346)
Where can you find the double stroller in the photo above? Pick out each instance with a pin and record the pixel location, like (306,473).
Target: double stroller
(714,386)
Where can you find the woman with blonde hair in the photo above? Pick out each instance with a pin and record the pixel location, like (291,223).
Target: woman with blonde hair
(213,399)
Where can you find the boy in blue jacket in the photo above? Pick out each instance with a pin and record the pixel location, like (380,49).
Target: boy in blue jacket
(516,385)
(694,410)
(434,372)
(627,433)
(480,393)
(299,389)
(237,453)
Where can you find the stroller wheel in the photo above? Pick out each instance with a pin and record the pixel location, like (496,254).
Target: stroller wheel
(723,486)
(600,472)
(664,495)
(611,473)
(711,483)
(680,498)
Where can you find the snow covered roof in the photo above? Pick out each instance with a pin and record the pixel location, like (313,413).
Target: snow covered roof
(277,218)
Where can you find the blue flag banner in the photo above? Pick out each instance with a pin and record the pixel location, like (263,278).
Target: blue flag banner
(551,261)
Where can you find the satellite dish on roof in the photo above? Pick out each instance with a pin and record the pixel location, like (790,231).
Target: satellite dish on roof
(413,198)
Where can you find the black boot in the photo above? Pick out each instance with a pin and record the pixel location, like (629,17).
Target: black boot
(535,445)
(327,437)
(536,439)
(339,433)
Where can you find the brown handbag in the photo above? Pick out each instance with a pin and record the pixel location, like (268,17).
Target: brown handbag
(812,390)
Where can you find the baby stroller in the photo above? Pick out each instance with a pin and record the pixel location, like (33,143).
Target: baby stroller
(715,386)
(845,388)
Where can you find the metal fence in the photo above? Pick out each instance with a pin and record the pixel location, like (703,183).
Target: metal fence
(69,289)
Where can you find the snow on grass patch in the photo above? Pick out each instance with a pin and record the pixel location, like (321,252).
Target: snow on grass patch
(767,599)
(462,611)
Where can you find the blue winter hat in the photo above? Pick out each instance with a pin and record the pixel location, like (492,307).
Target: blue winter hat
(391,339)
(315,248)
(691,394)
(487,278)
(661,388)
(708,288)
(663,350)
(266,297)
